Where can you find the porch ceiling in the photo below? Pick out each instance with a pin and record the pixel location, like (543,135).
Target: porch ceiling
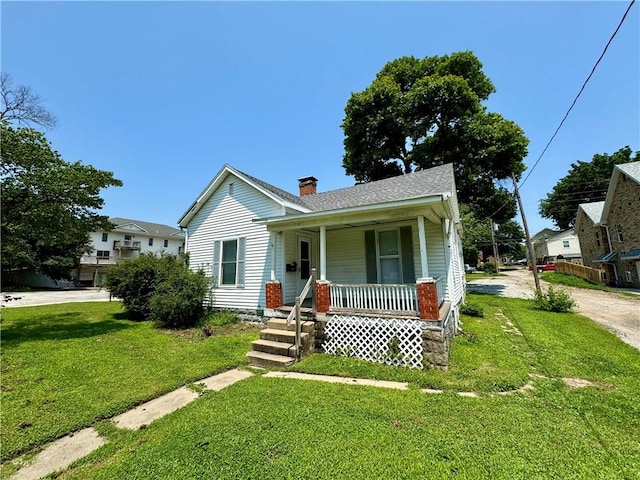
(432,208)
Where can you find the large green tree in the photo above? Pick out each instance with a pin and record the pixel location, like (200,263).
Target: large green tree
(586,182)
(421,113)
(49,206)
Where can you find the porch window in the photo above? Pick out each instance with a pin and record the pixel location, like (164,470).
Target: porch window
(389,256)
(228,262)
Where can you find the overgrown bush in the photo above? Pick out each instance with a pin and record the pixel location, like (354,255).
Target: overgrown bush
(472,310)
(490,268)
(162,289)
(177,301)
(554,300)
(135,281)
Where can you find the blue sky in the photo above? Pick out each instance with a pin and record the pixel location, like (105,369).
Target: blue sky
(164,93)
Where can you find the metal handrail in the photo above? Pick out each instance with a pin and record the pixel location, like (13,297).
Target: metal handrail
(295,313)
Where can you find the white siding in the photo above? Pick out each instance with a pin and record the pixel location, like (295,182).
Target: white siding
(228,216)
(346,254)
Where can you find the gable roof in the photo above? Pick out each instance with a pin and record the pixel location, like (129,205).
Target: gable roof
(592,210)
(276,194)
(631,171)
(152,229)
(436,180)
(433,181)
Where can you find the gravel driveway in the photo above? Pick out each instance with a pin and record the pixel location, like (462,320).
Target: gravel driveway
(619,313)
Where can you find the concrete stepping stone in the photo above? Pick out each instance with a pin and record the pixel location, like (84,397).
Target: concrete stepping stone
(61,453)
(223,380)
(152,410)
(344,380)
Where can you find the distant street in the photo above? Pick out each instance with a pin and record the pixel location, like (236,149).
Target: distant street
(619,313)
(45,297)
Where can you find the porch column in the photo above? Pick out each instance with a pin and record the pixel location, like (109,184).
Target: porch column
(274,250)
(422,238)
(323,253)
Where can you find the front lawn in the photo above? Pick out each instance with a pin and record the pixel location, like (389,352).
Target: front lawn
(66,366)
(282,428)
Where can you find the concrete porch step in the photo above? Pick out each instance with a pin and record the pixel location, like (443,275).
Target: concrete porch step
(273,347)
(284,336)
(266,360)
(281,324)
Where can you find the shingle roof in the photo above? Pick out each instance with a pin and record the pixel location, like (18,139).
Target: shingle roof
(151,228)
(275,190)
(631,170)
(593,210)
(418,184)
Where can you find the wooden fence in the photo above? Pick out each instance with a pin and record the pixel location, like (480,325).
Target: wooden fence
(588,273)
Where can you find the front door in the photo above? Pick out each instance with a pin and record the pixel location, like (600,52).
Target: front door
(304,262)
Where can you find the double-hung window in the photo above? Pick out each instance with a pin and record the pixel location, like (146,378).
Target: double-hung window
(228,262)
(389,256)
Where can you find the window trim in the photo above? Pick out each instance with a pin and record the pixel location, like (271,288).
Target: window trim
(105,236)
(240,261)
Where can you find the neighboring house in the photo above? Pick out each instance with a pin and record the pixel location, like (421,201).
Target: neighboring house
(551,245)
(616,233)
(128,239)
(594,239)
(388,249)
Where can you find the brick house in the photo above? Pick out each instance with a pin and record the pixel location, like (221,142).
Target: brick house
(611,241)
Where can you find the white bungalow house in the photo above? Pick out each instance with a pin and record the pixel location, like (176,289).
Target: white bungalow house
(388,256)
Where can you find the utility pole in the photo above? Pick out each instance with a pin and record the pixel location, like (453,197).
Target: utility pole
(532,256)
(495,246)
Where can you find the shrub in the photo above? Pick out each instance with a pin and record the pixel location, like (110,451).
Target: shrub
(177,300)
(490,268)
(472,310)
(554,300)
(135,281)
(162,289)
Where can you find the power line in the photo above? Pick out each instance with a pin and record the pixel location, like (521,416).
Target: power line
(573,103)
(579,93)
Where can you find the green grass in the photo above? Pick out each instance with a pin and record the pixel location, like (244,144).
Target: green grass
(283,428)
(572,281)
(66,366)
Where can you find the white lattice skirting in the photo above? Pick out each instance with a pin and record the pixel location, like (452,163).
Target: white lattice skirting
(382,340)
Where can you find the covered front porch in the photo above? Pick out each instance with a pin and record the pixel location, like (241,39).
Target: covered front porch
(384,262)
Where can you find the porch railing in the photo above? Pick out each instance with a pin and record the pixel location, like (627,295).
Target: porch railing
(440,289)
(295,314)
(377,297)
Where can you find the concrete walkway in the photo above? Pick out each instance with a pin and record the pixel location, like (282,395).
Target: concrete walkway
(64,451)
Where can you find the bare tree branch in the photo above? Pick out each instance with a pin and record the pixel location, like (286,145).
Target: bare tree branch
(21,105)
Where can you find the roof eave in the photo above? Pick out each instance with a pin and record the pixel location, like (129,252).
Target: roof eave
(287,220)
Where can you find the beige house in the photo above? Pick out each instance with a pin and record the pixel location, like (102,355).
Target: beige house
(552,245)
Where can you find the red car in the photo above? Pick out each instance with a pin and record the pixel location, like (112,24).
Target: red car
(546,267)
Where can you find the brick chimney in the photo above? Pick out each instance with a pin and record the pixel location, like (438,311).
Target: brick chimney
(307,185)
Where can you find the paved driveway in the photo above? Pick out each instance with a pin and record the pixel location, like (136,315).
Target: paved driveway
(619,313)
(45,297)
